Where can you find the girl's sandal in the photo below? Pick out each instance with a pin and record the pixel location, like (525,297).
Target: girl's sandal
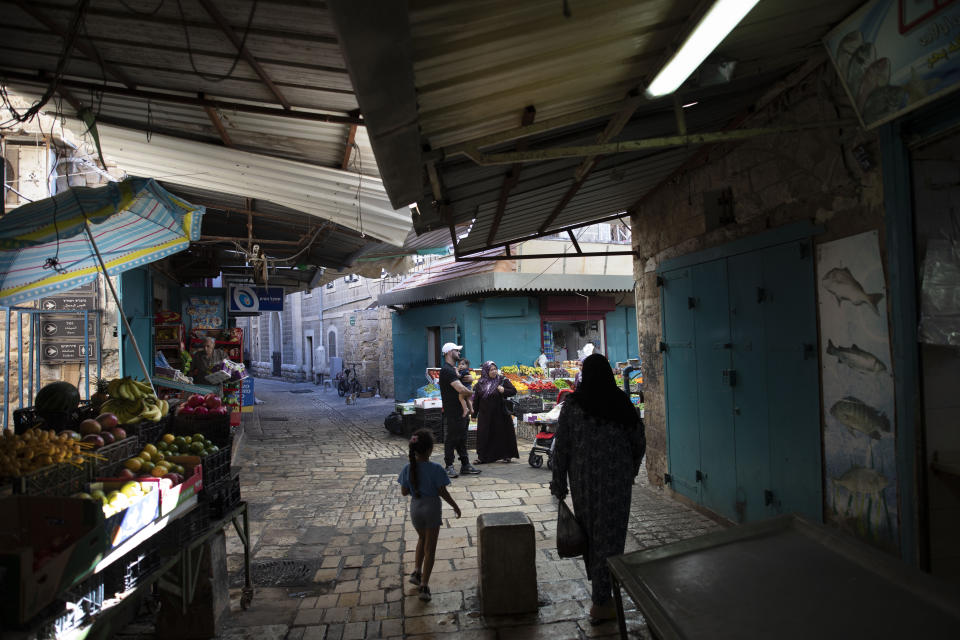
(415,578)
(602,615)
(425,593)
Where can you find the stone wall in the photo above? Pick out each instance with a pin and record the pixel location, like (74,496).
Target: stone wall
(775,180)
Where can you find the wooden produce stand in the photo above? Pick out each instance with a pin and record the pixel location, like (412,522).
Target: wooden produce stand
(102,575)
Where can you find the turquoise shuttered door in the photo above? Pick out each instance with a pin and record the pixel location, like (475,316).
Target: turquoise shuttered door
(742,384)
(793,380)
(680,372)
(136,296)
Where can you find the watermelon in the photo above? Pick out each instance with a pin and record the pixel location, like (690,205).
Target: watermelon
(57,398)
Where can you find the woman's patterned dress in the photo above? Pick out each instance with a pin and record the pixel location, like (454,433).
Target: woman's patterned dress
(601,459)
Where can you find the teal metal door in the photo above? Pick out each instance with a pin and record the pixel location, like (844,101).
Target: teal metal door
(136,299)
(742,383)
(715,379)
(793,383)
(748,295)
(680,381)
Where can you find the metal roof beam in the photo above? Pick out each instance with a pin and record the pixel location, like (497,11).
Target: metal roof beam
(351,136)
(176,98)
(631,146)
(242,49)
(536,256)
(512,177)
(218,125)
(87,49)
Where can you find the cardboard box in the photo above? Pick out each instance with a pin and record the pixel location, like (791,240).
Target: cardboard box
(124,524)
(47,545)
(428,403)
(172,497)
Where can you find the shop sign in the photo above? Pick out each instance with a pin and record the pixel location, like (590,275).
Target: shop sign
(247,299)
(60,352)
(894,56)
(66,326)
(353,320)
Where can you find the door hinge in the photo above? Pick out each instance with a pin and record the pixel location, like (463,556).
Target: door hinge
(730,377)
(667,478)
(662,347)
(691,303)
(660,281)
(761,295)
(700,476)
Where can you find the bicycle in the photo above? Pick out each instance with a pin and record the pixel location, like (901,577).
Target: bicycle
(346,384)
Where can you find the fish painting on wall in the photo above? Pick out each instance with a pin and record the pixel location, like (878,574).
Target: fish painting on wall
(859,430)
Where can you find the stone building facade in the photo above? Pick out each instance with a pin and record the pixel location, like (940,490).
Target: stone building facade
(812,176)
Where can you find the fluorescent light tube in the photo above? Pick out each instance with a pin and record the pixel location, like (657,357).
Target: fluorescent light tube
(715,25)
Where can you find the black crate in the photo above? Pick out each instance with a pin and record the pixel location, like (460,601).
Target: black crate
(79,604)
(147,432)
(216,468)
(27,418)
(222,498)
(409,423)
(214,428)
(428,417)
(188,528)
(54,480)
(137,566)
(116,454)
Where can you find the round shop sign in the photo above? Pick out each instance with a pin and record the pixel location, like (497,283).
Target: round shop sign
(245,299)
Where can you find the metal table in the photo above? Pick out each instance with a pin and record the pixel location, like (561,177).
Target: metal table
(782,578)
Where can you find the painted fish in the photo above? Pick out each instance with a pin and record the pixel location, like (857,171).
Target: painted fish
(862,480)
(863,57)
(845,50)
(843,286)
(877,75)
(857,415)
(856,358)
(883,101)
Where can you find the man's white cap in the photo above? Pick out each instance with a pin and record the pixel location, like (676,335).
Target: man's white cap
(450,347)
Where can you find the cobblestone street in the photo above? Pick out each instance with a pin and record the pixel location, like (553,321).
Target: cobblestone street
(332,543)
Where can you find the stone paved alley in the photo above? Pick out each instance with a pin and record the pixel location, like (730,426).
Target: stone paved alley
(332,542)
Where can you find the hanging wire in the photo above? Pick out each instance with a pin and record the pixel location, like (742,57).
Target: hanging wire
(358,162)
(145,14)
(62,63)
(236,59)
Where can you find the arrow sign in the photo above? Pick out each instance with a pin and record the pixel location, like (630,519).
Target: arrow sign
(49,328)
(49,304)
(50,352)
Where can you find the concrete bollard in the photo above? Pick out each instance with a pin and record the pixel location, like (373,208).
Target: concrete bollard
(508,563)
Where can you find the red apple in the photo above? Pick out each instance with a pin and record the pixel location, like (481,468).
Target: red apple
(201,411)
(195,400)
(222,410)
(126,474)
(119,433)
(108,438)
(187,409)
(211,401)
(108,420)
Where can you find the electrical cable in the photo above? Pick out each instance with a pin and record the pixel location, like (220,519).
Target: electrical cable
(358,162)
(579,235)
(145,14)
(243,42)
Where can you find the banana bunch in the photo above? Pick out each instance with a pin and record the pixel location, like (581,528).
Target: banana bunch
(132,401)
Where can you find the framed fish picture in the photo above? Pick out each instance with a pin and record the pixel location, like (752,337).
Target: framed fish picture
(857,390)
(893,56)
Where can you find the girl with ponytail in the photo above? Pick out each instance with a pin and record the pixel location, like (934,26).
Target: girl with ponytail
(427,481)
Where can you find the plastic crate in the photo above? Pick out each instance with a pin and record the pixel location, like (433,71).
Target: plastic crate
(428,417)
(80,604)
(409,423)
(216,468)
(224,497)
(188,528)
(138,565)
(214,428)
(116,454)
(55,480)
(147,432)
(26,418)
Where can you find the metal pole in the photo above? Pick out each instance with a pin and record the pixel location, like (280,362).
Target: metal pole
(99,346)
(86,354)
(20,360)
(116,298)
(6,377)
(30,398)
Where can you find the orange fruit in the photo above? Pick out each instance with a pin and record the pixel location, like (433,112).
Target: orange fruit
(133,464)
(168,438)
(152,450)
(145,456)
(157,457)
(158,471)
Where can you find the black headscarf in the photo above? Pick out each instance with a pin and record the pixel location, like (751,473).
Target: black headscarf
(600,396)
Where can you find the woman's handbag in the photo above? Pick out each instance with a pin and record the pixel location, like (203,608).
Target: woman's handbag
(510,406)
(571,538)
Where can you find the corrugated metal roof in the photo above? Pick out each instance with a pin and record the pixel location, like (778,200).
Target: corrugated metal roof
(478,66)
(140,46)
(500,282)
(446,269)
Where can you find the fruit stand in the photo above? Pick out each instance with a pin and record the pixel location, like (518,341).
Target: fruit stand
(98,509)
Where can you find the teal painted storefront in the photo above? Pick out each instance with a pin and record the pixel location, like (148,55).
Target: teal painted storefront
(505,330)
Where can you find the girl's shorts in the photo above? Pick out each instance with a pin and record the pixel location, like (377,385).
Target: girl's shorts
(425,512)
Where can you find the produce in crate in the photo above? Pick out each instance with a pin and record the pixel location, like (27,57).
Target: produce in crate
(208,405)
(132,401)
(159,460)
(34,449)
(116,500)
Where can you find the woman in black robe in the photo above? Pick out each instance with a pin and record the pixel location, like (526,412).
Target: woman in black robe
(496,437)
(599,445)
